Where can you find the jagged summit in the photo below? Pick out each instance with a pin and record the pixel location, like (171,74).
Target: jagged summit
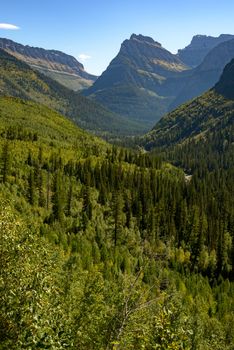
(133,83)
(207,39)
(144,39)
(207,74)
(200,45)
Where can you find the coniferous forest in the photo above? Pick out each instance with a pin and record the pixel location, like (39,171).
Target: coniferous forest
(106,247)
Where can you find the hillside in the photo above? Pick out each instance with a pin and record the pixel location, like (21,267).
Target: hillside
(192,120)
(133,83)
(28,121)
(200,45)
(103,245)
(55,64)
(18,79)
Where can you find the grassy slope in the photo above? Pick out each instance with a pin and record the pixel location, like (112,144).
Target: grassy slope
(71,81)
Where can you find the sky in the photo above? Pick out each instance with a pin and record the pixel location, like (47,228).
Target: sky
(93,30)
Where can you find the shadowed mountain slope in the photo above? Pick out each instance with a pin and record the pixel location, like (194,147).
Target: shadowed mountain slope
(203,77)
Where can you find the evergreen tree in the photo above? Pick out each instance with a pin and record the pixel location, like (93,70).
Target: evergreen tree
(117,208)
(5,162)
(57,197)
(31,188)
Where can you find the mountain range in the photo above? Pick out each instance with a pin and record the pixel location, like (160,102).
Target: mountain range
(56,64)
(144,80)
(203,77)
(200,45)
(141,84)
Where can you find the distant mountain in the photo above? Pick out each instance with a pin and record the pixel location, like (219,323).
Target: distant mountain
(145,81)
(208,119)
(203,77)
(133,85)
(195,52)
(55,64)
(19,80)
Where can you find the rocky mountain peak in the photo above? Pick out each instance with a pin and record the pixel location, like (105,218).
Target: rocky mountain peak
(133,83)
(200,45)
(209,41)
(144,39)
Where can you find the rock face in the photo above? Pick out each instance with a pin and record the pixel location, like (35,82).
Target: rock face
(140,61)
(206,74)
(56,64)
(195,52)
(134,82)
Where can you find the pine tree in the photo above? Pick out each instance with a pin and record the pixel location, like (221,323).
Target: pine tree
(69,199)
(48,190)
(57,198)
(117,203)
(5,162)
(31,188)
(41,199)
(87,203)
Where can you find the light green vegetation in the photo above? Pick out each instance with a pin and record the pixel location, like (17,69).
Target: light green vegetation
(106,248)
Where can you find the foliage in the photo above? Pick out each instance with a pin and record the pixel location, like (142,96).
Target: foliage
(104,247)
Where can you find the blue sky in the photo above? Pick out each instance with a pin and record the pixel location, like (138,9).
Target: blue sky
(94,29)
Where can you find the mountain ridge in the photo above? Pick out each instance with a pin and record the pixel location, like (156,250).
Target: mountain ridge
(194,53)
(145,81)
(53,63)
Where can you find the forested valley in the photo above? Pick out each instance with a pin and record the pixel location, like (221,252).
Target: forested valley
(104,247)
